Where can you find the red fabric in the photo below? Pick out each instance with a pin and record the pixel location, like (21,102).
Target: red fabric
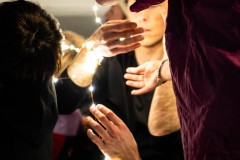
(203,44)
(58,142)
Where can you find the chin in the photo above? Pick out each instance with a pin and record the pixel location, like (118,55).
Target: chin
(150,43)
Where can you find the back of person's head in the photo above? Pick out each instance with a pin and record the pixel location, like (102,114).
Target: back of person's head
(30,43)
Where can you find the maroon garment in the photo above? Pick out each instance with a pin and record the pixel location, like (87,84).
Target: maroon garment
(203,43)
(143,4)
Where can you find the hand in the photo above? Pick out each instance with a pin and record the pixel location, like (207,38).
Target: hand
(143,77)
(108,37)
(115,141)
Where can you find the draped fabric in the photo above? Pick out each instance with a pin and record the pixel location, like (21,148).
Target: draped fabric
(203,43)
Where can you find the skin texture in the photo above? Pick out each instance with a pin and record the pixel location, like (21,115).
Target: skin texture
(106,41)
(152,21)
(149,56)
(71,38)
(144,77)
(110,32)
(111,135)
(163,117)
(115,138)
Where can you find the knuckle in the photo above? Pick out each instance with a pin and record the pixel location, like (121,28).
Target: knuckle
(101,117)
(105,37)
(94,125)
(103,28)
(109,114)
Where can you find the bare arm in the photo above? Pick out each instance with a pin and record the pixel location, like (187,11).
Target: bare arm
(163,117)
(104,42)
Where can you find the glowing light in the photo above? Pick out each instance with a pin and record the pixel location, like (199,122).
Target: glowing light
(74,76)
(91,88)
(122,39)
(55,79)
(89,45)
(98,20)
(71,47)
(102,50)
(88,60)
(95,8)
(64,47)
(107,158)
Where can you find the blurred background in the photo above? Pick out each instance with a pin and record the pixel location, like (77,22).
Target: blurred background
(76,15)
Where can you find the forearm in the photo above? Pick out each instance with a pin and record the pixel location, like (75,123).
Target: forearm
(82,70)
(163,117)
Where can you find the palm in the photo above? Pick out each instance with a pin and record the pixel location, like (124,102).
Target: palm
(143,77)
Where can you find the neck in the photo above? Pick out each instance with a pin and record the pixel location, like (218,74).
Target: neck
(149,53)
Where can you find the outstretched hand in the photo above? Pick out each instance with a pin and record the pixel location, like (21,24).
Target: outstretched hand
(143,77)
(114,138)
(116,37)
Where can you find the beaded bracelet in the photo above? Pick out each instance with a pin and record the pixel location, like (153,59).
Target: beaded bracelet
(159,80)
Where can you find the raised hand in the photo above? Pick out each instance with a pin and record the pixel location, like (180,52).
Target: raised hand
(143,77)
(114,138)
(116,37)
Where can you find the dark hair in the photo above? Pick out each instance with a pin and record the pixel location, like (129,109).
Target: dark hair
(30,43)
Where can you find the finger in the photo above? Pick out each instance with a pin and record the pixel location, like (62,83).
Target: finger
(104,121)
(135,84)
(110,36)
(95,139)
(97,127)
(125,25)
(126,42)
(134,77)
(139,91)
(116,21)
(110,115)
(126,49)
(136,70)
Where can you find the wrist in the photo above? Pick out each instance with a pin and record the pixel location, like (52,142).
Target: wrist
(160,79)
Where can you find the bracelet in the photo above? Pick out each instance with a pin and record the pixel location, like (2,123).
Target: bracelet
(159,80)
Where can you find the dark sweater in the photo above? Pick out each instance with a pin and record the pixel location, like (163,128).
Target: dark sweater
(28,115)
